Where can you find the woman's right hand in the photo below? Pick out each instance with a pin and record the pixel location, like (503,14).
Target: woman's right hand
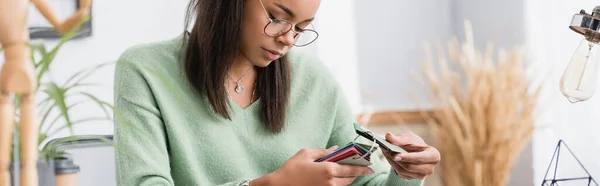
(301,169)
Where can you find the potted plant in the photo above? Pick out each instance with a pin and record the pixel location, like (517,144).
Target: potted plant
(57,102)
(485,111)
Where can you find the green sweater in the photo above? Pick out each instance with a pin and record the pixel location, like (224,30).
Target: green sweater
(166,134)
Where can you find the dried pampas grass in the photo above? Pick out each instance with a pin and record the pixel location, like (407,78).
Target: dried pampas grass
(484,112)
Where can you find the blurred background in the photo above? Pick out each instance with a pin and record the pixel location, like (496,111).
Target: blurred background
(372,47)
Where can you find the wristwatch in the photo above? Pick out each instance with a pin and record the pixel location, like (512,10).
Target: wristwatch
(245,183)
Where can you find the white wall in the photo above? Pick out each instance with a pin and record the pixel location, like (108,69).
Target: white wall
(391,35)
(336,45)
(390,39)
(499,22)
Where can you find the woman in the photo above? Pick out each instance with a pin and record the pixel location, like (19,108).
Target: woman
(226,104)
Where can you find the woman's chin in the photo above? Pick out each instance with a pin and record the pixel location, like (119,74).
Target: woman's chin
(262,63)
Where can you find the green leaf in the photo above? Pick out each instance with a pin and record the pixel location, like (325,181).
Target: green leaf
(41,48)
(77,123)
(32,55)
(82,85)
(52,124)
(45,62)
(47,155)
(81,75)
(41,138)
(43,104)
(76,103)
(48,58)
(52,145)
(58,96)
(17,101)
(45,116)
(46,152)
(73,33)
(100,103)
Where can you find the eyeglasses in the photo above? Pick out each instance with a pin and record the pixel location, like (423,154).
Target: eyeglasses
(279,27)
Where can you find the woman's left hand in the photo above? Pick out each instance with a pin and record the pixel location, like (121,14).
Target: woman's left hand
(420,160)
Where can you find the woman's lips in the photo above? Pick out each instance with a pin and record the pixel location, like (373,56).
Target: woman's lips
(272,55)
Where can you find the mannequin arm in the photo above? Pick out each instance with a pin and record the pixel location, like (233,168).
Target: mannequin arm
(71,22)
(46,10)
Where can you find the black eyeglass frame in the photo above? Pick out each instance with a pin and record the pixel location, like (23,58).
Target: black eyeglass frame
(291,25)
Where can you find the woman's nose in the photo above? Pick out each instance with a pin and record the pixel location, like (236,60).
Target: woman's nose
(287,38)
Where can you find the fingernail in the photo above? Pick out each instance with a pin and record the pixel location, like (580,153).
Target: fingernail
(370,172)
(391,135)
(333,148)
(418,145)
(398,158)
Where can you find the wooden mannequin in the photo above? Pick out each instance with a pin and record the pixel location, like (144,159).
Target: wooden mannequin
(18,77)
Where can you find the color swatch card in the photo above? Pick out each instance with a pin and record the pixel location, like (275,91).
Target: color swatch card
(351,154)
(380,140)
(356,153)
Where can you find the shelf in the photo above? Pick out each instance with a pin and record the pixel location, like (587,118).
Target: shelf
(393,117)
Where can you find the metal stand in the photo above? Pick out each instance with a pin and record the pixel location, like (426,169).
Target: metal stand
(554,181)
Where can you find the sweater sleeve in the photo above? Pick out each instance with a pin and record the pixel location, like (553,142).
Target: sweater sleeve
(142,158)
(343,133)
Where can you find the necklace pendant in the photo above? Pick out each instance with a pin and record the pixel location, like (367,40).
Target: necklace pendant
(239,89)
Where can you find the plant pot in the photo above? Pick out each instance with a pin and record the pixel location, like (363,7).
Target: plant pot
(45,173)
(66,171)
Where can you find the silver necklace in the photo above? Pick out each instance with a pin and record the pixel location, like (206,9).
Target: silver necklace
(251,97)
(239,88)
